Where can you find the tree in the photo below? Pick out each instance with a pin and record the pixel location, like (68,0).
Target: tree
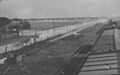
(26,25)
(21,26)
(4,21)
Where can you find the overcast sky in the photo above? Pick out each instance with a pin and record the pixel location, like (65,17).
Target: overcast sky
(59,8)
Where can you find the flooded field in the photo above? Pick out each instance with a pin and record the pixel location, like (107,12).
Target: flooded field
(42,35)
(47,60)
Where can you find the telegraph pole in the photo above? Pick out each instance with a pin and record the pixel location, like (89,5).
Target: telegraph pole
(67,25)
(53,27)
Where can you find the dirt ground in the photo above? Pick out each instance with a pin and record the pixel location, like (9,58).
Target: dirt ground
(46,58)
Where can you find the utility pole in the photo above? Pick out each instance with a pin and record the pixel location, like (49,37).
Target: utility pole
(53,27)
(114,39)
(53,30)
(67,25)
(21,25)
(34,33)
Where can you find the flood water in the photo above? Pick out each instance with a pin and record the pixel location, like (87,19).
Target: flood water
(42,35)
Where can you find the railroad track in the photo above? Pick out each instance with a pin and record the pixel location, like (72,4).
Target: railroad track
(75,64)
(89,62)
(104,62)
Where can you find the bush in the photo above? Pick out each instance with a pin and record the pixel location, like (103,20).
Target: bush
(26,25)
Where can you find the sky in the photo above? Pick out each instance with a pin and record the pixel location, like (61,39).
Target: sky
(59,8)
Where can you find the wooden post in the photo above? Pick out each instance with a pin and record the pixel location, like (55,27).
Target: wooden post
(6,49)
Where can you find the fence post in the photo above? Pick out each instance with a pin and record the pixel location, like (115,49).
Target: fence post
(5,48)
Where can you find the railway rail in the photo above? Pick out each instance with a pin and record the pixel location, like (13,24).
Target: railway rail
(72,67)
(86,55)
